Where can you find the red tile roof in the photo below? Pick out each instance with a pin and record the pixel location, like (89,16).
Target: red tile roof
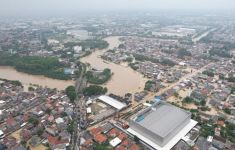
(134,147)
(100,138)
(126,143)
(95,131)
(114,132)
(11,121)
(25,118)
(55,141)
(120,147)
(122,136)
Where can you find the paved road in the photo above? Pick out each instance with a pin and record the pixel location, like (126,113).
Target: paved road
(79,110)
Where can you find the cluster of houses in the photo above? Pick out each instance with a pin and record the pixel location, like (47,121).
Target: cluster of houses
(38,118)
(109,135)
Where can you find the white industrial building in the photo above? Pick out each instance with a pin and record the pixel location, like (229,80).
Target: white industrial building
(112,102)
(161,126)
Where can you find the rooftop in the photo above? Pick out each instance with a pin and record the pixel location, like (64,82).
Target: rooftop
(162,119)
(112,102)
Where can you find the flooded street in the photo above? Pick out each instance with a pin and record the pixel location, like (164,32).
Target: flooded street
(11,74)
(124,79)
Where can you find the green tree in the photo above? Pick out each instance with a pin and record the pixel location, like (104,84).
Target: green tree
(136,139)
(183,52)
(94,90)
(71,93)
(34,121)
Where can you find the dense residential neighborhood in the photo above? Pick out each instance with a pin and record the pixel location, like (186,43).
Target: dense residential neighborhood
(105,82)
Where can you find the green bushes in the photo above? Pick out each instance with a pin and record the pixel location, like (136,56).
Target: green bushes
(71,93)
(94,90)
(100,78)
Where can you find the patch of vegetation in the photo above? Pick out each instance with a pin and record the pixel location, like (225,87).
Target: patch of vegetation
(99,78)
(188,100)
(221,53)
(94,90)
(90,43)
(71,93)
(47,66)
(133,66)
(207,130)
(148,85)
(231,79)
(14,82)
(34,121)
(227,111)
(183,52)
(101,147)
(70,127)
(121,46)
(208,73)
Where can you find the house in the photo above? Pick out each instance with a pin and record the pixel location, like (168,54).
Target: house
(10,142)
(88,143)
(34,141)
(114,132)
(100,138)
(181,145)
(51,131)
(134,147)
(11,123)
(95,131)
(120,147)
(114,142)
(56,142)
(106,127)
(25,134)
(122,136)
(126,143)
(198,96)
(202,144)
(218,142)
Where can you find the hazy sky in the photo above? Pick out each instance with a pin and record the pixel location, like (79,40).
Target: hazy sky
(17,7)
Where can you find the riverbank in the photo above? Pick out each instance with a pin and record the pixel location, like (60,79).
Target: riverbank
(10,73)
(124,79)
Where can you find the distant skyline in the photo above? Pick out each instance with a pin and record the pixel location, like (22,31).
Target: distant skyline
(53,7)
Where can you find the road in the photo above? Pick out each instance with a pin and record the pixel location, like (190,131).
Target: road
(79,117)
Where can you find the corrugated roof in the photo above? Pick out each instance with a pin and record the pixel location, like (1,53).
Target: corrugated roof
(112,102)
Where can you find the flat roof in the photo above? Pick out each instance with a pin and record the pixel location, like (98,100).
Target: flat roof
(115,142)
(163,118)
(112,102)
(171,143)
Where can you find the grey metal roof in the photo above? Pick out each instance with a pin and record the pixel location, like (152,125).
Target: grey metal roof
(163,119)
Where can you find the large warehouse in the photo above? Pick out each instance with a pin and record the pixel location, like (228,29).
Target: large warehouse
(112,102)
(162,125)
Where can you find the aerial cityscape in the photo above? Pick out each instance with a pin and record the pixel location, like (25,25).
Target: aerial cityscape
(129,77)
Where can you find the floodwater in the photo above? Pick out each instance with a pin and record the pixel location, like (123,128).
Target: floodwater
(11,74)
(124,79)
